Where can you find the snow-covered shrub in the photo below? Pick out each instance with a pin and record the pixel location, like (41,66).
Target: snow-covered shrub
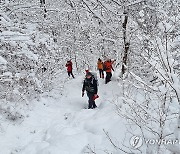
(28,63)
(151,101)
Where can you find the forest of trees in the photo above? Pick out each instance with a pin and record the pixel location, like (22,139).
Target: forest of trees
(37,37)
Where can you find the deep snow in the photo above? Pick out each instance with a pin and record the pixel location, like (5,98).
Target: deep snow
(63,125)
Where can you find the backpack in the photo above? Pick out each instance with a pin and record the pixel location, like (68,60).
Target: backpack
(107,66)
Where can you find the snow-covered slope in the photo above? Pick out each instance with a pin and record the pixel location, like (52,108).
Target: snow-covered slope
(64,125)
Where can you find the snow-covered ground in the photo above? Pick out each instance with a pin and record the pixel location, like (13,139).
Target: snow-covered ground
(63,125)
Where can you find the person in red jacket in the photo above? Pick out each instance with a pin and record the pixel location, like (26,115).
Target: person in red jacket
(69,68)
(108,68)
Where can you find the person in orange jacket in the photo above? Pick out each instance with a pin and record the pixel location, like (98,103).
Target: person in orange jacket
(100,68)
(108,68)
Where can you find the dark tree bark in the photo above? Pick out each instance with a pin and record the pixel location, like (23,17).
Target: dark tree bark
(126,44)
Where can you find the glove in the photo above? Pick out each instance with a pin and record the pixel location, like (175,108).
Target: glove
(95,96)
(82,93)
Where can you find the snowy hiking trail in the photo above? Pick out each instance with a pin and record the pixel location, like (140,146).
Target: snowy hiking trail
(64,126)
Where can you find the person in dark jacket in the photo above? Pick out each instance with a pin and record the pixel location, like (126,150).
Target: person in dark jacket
(69,68)
(90,85)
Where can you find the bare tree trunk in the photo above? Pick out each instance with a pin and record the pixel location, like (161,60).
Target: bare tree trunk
(126,44)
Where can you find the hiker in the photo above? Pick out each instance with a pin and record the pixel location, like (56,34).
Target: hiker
(90,85)
(69,68)
(100,68)
(108,68)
